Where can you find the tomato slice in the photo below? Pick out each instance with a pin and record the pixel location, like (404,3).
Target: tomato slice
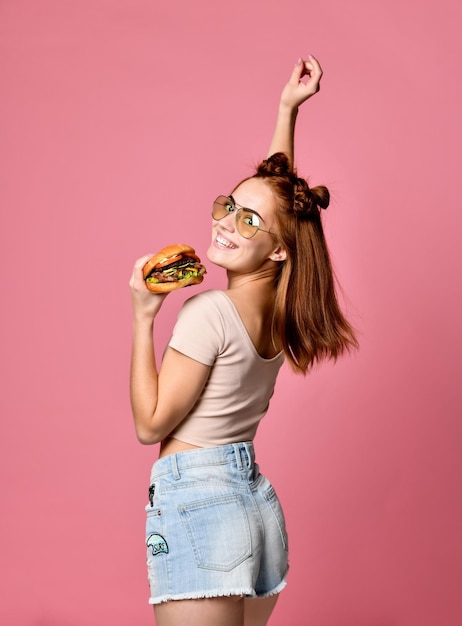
(168,261)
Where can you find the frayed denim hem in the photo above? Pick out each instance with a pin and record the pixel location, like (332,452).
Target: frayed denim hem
(219,593)
(248,594)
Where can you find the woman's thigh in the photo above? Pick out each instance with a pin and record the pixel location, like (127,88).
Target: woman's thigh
(227,611)
(257,611)
(232,611)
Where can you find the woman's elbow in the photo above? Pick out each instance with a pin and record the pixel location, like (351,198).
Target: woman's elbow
(147,437)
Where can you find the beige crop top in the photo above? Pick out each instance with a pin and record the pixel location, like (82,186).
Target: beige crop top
(241,382)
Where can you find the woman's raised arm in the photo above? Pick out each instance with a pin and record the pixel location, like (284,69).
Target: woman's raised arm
(303,83)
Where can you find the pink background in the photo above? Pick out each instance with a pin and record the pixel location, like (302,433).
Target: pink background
(120,121)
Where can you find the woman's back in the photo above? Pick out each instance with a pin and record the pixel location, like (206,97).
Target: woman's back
(210,330)
(256,310)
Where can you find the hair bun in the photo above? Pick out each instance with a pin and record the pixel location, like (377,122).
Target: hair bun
(321,195)
(275,165)
(307,202)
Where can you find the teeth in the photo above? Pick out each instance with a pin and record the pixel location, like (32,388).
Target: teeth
(224,242)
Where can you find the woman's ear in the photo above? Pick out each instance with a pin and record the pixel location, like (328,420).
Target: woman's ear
(279,254)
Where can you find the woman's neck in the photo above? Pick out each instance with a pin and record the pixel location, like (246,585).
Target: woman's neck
(261,279)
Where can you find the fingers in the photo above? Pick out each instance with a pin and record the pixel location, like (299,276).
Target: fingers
(309,67)
(315,66)
(297,72)
(137,273)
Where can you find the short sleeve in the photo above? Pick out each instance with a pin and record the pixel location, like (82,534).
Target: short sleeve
(199,330)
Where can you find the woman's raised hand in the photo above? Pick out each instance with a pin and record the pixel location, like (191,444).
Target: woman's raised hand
(145,303)
(303,83)
(297,90)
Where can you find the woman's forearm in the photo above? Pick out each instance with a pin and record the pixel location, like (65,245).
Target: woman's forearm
(284,132)
(143,377)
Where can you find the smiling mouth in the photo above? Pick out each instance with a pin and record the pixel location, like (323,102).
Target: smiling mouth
(221,241)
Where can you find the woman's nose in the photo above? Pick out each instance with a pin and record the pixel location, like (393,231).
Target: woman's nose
(229,222)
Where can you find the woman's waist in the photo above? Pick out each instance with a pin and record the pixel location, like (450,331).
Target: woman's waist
(175,458)
(212,431)
(171,445)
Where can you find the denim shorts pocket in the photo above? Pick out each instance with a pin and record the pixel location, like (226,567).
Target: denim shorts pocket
(218,530)
(271,498)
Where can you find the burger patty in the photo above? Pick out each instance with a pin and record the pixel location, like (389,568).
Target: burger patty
(176,271)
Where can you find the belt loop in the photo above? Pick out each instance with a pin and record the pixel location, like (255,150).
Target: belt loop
(249,455)
(237,454)
(175,470)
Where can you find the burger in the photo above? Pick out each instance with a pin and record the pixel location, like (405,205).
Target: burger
(174,267)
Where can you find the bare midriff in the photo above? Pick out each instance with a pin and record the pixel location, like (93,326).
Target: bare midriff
(172,446)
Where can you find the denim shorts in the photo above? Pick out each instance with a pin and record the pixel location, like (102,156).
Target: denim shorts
(214,527)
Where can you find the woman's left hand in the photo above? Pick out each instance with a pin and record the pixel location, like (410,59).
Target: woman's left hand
(145,303)
(296,91)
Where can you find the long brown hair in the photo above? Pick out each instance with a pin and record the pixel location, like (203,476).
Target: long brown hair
(307,315)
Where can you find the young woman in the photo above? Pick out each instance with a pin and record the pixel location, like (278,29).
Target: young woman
(216,538)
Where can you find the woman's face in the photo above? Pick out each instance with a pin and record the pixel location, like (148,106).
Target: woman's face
(235,253)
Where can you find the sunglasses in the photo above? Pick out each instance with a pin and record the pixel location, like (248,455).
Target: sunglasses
(247,221)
